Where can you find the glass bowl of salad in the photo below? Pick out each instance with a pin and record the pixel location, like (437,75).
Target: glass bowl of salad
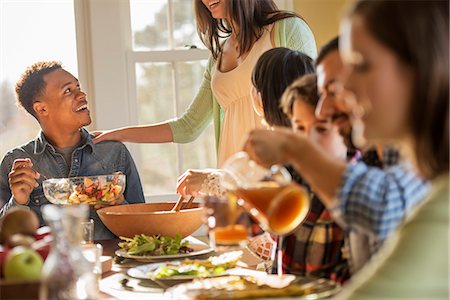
(92,190)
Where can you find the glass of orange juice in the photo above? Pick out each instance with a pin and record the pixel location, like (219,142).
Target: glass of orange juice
(268,195)
(226,221)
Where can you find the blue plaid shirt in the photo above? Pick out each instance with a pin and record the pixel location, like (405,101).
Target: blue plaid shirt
(372,202)
(375,201)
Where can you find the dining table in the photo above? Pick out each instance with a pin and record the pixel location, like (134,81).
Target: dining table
(116,284)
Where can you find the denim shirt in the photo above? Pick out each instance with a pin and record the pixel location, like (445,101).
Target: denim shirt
(87,159)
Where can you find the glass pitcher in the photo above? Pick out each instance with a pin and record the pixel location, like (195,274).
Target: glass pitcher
(269,196)
(66,272)
(278,204)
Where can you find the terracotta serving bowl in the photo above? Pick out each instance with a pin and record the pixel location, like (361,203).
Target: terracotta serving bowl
(151,219)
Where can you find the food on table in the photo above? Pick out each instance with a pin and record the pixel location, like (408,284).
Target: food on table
(214,265)
(23,263)
(155,245)
(247,287)
(22,240)
(89,189)
(18,221)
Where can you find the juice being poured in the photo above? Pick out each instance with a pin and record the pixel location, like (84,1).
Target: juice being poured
(231,234)
(225,213)
(277,208)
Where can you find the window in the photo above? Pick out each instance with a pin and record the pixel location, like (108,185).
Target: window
(166,79)
(30,31)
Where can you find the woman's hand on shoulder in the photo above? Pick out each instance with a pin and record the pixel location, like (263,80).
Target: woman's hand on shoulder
(105,135)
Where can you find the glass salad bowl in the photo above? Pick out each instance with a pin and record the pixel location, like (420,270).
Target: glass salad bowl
(100,189)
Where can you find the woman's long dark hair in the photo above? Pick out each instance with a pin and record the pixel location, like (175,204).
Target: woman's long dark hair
(274,71)
(418,33)
(249,16)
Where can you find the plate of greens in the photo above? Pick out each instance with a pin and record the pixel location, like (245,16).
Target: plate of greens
(188,269)
(146,248)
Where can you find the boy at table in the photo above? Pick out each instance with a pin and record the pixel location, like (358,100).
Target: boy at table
(63,148)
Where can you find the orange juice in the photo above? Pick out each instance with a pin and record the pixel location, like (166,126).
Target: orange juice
(223,215)
(279,209)
(231,234)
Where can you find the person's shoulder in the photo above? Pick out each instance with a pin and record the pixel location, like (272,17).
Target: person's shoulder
(27,148)
(110,145)
(23,151)
(292,23)
(294,33)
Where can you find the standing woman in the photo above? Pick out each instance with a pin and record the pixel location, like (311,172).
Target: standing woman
(249,27)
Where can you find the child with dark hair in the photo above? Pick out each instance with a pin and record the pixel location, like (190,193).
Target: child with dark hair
(274,71)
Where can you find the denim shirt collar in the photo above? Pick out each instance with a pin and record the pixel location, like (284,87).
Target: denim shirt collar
(42,143)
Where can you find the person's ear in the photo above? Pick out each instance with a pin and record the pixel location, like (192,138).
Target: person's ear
(257,102)
(40,108)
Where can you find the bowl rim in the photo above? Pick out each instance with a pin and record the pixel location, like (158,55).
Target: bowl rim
(49,180)
(144,213)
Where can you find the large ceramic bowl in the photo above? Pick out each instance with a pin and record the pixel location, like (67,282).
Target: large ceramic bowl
(100,189)
(151,219)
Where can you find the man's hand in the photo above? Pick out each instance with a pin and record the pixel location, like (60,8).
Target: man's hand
(269,147)
(22,180)
(119,200)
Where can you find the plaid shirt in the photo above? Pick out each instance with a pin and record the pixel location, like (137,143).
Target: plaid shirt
(315,247)
(375,201)
(372,202)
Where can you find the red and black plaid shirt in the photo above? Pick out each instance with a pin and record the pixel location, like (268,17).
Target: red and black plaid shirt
(315,247)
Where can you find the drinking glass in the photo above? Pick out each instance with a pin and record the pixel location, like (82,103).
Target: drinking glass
(224,228)
(88,232)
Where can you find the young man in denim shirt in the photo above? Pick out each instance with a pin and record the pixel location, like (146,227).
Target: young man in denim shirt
(63,148)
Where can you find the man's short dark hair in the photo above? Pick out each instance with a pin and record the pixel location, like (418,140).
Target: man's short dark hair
(31,83)
(331,46)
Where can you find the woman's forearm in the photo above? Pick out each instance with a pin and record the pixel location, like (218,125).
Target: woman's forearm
(157,133)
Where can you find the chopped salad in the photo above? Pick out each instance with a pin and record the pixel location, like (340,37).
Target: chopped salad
(93,191)
(154,245)
(213,266)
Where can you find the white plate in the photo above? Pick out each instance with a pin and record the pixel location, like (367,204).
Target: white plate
(198,246)
(317,289)
(144,272)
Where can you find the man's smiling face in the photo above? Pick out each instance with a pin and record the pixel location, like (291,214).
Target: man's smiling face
(64,103)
